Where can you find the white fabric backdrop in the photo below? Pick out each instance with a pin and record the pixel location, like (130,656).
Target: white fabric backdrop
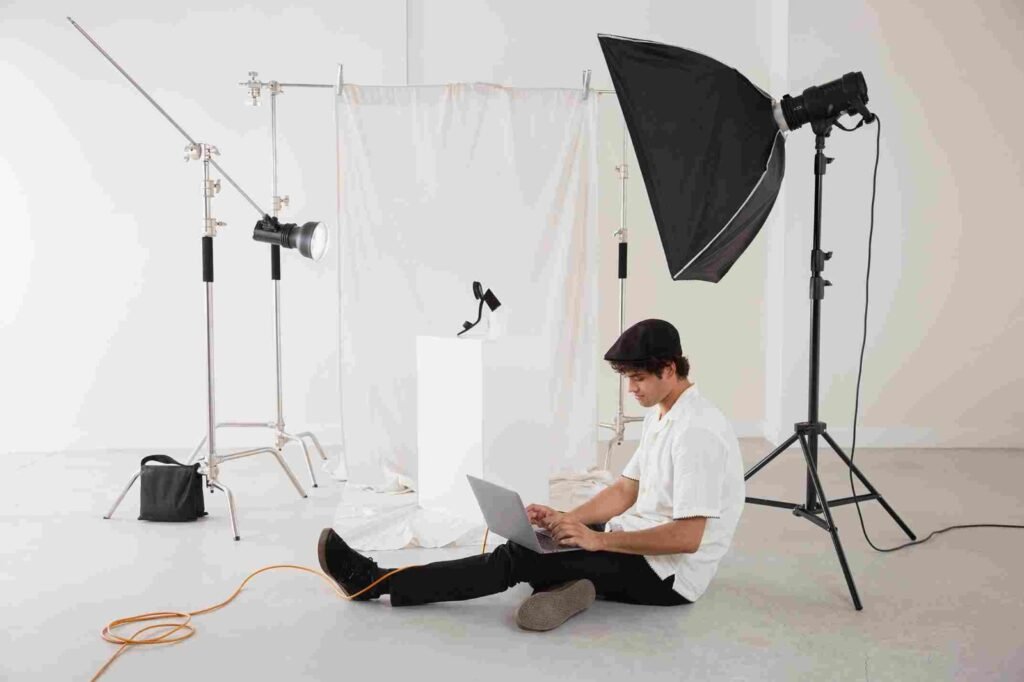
(440,186)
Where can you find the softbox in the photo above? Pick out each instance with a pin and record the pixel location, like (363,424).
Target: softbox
(709,148)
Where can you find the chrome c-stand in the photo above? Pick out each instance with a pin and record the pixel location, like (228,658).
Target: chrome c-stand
(282,437)
(196,151)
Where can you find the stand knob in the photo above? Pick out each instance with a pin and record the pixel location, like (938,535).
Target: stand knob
(828,255)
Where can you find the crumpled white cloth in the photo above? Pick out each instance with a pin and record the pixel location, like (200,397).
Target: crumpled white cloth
(570,489)
(370,519)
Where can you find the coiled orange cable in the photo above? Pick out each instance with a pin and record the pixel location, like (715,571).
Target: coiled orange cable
(185,627)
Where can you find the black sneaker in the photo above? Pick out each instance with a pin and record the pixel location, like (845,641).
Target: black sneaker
(349,569)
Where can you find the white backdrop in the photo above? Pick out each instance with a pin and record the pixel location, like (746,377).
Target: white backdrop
(441,186)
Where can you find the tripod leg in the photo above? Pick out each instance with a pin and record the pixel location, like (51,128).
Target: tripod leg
(231,504)
(867,484)
(831,524)
(123,493)
(775,453)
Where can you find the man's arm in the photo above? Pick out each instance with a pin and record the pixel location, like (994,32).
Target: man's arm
(610,502)
(682,536)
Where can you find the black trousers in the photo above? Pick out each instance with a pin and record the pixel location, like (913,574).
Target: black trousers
(617,577)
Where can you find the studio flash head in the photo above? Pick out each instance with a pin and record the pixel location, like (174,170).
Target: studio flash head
(848,95)
(309,238)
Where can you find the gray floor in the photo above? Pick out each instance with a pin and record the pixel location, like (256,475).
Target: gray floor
(778,609)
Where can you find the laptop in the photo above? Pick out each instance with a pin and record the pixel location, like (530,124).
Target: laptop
(506,516)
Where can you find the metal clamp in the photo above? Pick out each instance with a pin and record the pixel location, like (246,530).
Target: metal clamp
(211,226)
(279,203)
(195,151)
(211,187)
(254,86)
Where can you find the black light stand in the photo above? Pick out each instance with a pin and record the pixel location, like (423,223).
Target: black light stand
(711,146)
(808,432)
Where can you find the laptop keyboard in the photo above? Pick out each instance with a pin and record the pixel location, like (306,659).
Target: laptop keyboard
(548,543)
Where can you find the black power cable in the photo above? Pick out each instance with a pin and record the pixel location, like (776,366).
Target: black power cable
(860,369)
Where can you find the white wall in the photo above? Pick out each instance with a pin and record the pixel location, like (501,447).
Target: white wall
(942,365)
(101,302)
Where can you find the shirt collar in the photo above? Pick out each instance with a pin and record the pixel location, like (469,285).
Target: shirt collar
(677,407)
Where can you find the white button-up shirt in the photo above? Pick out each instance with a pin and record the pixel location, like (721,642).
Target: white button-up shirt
(688,464)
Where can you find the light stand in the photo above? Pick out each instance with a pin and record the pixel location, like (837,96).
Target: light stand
(618,425)
(210,467)
(281,436)
(711,146)
(807,432)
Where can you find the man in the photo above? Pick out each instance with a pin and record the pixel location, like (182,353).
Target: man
(670,516)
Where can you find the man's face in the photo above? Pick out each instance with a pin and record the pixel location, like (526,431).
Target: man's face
(650,389)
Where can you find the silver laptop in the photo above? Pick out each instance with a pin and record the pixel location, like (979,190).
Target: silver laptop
(506,516)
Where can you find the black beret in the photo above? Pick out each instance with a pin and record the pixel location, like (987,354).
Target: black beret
(644,340)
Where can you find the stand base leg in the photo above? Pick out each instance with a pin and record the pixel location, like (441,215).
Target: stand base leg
(810,511)
(283,437)
(867,484)
(288,471)
(286,437)
(833,531)
(316,443)
(231,504)
(276,452)
(774,453)
(123,493)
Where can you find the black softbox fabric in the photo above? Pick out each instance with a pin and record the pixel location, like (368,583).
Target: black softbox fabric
(710,151)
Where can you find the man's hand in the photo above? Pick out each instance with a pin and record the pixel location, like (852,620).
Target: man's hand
(542,516)
(572,533)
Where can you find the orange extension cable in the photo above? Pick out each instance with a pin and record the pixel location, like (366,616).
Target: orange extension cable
(185,627)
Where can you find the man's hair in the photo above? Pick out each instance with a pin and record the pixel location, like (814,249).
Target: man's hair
(653,366)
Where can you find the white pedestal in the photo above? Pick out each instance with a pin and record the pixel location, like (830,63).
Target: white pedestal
(483,410)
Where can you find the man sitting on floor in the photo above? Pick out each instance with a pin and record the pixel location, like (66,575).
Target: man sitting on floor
(670,516)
